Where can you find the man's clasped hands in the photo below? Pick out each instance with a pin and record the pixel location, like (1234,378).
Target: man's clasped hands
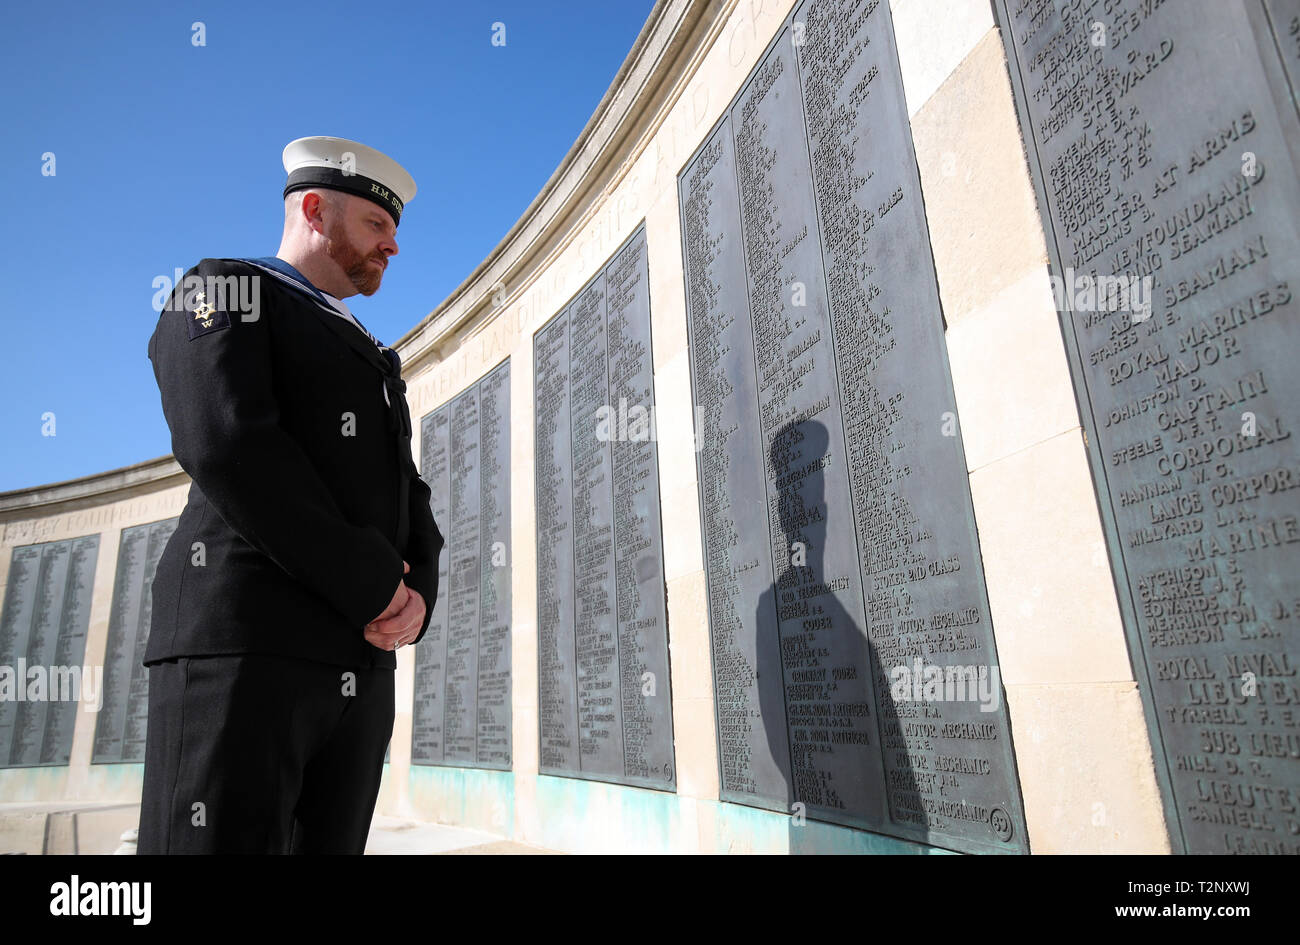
(401,620)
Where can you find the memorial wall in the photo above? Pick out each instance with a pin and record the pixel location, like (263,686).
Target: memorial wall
(462,666)
(42,648)
(123,717)
(797,495)
(604,701)
(1164,149)
(840,538)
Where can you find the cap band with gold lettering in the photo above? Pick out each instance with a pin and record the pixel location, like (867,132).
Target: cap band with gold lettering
(349,166)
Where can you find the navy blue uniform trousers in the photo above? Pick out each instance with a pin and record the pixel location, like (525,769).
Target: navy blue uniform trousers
(262,754)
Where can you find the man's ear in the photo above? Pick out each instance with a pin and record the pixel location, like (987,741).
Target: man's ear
(313,210)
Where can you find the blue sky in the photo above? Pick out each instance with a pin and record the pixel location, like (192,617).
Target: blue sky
(166,152)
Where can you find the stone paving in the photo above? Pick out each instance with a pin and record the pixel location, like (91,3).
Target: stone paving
(72,828)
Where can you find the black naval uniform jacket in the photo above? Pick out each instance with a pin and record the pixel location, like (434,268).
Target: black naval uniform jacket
(295,532)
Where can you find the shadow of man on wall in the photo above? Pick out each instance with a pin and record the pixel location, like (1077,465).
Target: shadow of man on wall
(823,695)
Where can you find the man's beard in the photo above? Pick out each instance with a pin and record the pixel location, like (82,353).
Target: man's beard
(364,276)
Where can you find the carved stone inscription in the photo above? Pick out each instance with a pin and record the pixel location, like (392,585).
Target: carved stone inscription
(844,573)
(123,717)
(1163,139)
(462,675)
(43,648)
(605,706)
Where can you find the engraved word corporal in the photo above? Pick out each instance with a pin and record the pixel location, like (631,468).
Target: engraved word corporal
(209,295)
(53,684)
(922,683)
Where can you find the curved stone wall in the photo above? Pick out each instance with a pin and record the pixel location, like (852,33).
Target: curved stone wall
(1083,762)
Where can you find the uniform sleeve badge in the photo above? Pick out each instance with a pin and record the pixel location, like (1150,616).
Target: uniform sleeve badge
(205,318)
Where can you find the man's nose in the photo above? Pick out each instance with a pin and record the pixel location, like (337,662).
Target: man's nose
(389,246)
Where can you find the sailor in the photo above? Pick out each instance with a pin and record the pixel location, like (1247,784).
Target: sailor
(307,552)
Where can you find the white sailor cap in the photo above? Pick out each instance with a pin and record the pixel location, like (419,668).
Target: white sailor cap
(350,166)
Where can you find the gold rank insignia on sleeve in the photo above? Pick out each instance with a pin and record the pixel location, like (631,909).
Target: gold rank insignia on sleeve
(206,317)
(203,311)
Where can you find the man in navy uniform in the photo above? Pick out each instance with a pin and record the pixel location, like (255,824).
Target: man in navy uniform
(307,553)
